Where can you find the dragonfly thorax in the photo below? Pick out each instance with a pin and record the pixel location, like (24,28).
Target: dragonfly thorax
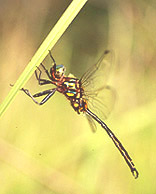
(57,72)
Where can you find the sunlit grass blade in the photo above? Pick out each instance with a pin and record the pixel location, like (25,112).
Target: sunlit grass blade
(42,52)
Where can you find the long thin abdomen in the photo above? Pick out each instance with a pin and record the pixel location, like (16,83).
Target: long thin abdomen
(117,143)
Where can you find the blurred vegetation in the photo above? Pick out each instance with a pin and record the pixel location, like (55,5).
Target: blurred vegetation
(43,149)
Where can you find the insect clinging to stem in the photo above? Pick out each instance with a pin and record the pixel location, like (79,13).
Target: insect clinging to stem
(86,95)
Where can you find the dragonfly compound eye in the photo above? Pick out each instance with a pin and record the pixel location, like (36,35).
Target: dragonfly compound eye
(60,71)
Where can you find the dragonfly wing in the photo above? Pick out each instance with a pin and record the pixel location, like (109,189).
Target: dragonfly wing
(91,123)
(101,102)
(100,97)
(97,75)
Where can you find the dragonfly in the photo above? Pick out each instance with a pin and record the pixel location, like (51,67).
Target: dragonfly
(89,95)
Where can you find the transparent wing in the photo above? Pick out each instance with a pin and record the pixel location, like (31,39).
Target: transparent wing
(97,75)
(101,102)
(99,96)
(91,123)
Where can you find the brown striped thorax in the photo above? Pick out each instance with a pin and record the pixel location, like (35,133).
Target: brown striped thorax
(69,86)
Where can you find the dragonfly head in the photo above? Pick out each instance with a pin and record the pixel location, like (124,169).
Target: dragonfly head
(57,72)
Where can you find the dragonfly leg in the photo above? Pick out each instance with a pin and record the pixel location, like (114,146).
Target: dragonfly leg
(45,99)
(38,76)
(52,57)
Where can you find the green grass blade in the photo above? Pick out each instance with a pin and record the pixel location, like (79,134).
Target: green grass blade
(42,52)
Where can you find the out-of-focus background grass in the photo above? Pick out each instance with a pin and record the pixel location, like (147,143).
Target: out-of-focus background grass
(44,149)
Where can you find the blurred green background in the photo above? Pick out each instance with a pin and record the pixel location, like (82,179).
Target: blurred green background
(44,149)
